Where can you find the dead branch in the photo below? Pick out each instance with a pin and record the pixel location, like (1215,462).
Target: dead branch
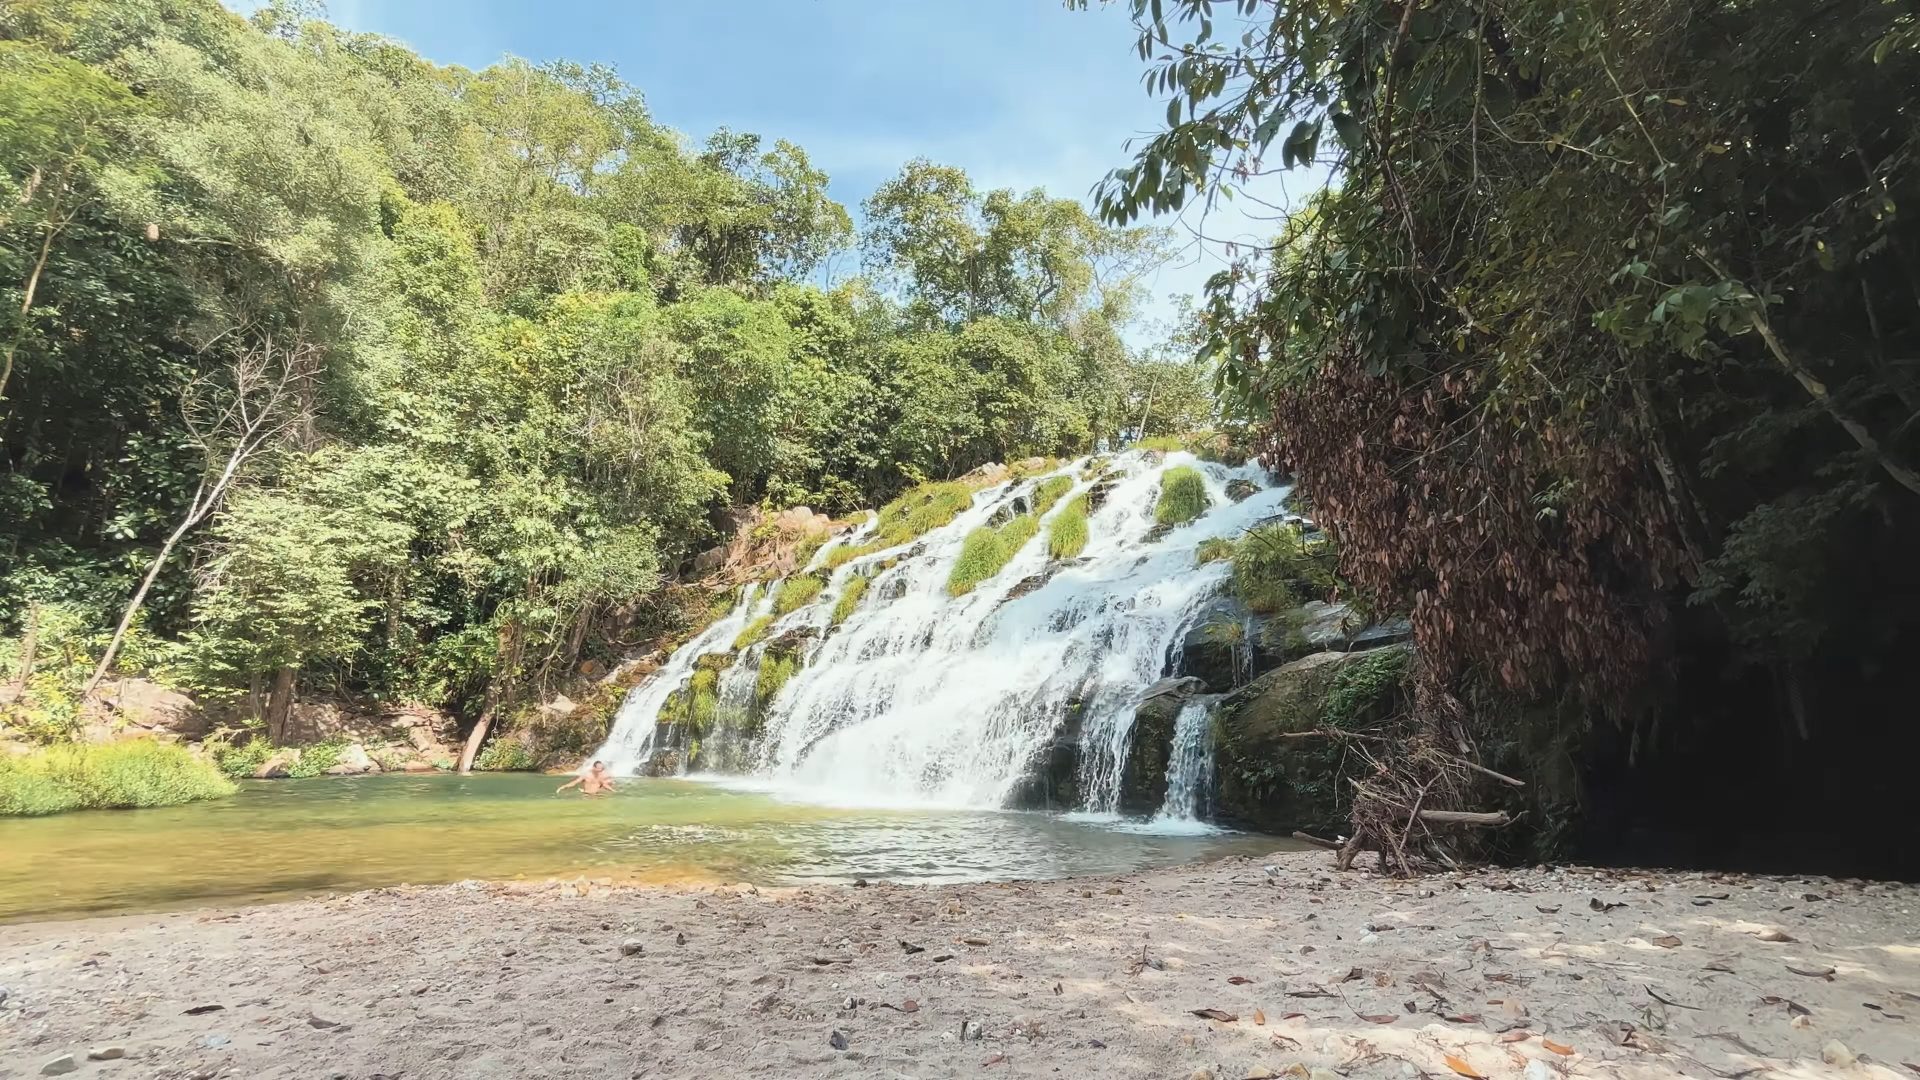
(1465,817)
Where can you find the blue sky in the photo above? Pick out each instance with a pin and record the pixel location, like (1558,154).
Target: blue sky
(1020,93)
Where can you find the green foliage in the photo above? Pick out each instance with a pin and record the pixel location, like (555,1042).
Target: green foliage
(317,759)
(920,511)
(839,556)
(123,775)
(775,670)
(796,592)
(1213,549)
(1164,444)
(238,761)
(1276,568)
(1183,496)
(987,550)
(1365,684)
(1048,492)
(849,600)
(1067,530)
(506,754)
(752,632)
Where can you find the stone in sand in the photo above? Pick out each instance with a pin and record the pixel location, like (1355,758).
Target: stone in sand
(59,1066)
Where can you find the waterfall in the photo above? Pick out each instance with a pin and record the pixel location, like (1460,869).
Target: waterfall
(1190,767)
(921,698)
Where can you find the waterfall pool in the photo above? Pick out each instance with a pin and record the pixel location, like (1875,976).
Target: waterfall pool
(288,838)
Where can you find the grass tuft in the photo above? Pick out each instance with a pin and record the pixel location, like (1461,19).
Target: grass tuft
(922,510)
(987,550)
(752,632)
(1183,496)
(796,592)
(1067,532)
(849,599)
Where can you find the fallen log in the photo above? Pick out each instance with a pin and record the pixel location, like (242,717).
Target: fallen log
(1309,838)
(1465,817)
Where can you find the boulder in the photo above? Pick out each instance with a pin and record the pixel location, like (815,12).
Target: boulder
(1143,779)
(152,708)
(277,766)
(417,766)
(559,708)
(353,761)
(1273,783)
(988,475)
(1391,632)
(1031,465)
(1240,489)
(1320,626)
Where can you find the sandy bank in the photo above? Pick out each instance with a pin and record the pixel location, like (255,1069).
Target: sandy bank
(1495,973)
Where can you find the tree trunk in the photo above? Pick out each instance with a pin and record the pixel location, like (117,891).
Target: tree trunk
(280,706)
(139,598)
(29,645)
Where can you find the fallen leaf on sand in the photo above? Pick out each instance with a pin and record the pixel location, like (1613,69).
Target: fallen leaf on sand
(1058,989)
(1555,910)
(1812,973)
(1774,936)
(1461,1018)
(909,1005)
(994,1060)
(943,958)
(973,941)
(1261,1072)
(1521,1035)
(1911,1067)
(1314,992)
(1718,965)
(1713,896)
(1379,1018)
(1293,1016)
(1598,905)
(1557,1048)
(201,1010)
(1221,1015)
(1239,980)
(1667,941)
(911,948)
(1664,1000)
(1259,1017)
(1353,974)
(1460,1066)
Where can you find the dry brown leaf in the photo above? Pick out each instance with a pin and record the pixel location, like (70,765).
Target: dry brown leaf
(1259,1017)
(1221,1015)
(1555,910)
(1667,941)
(1557,1048)
(1353,974)
(909,1005)
(1521,1035)
(1460,1066)
(1379,1018)
(1461,1018)
(973,941)
(1812,973)
(994,1060)
(1261,1072)
(1238,980)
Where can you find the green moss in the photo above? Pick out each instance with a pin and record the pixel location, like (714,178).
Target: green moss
(846,553)
(124,775)
(1213,550)
(1183,496)
(752,632)
(796,592)
(849,599)
(775,671)
(1361,686)
(987,550)
(1067,531)
(1049,492)
(922,510)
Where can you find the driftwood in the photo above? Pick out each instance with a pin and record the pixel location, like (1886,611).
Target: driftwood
(1308,838)
(1464,817)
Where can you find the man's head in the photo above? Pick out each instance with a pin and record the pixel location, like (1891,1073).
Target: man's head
(599,766)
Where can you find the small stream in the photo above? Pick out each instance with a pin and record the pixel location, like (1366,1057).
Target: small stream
(283,839)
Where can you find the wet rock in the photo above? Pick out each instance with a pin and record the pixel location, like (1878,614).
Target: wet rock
(106,1053)
(1240,489)
(59,1066)
(1143,780)
(1391,632)
(1274,783)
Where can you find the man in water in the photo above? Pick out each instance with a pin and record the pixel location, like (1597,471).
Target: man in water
(595,781)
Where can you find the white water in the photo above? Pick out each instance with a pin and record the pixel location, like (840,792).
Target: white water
(924,699)
(629,745)
(1190,767)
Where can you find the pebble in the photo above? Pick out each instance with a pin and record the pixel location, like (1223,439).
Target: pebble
(837,1040)
(632,948)
(1200,1074)
(315,1020)
(59,1066)
(1836,1054)
(215,1041)
(106,1053)
(1539,1070)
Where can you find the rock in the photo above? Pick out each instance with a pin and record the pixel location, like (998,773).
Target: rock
(1276,784)
(1539,1070)
(278,765)
(59,1066)
(1031,465)
(559,708)
(150,707)
(1143,780)
(417,767)
(988,475)
(591,668)
(837,1040)
(353,761)
(215,1041)
(106,1053)
(1391,632)
(710,560)
(1240,489)
(630,947)
(315,1020)
(1321,626)
(1836,1054)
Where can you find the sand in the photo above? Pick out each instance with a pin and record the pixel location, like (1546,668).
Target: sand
(1313,973)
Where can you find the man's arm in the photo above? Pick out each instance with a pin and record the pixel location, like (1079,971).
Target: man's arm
(575,782)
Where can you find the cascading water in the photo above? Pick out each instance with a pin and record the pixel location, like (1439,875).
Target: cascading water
(923,698)
(1190,767)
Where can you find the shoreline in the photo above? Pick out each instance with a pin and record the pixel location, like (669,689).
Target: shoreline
(1675,974)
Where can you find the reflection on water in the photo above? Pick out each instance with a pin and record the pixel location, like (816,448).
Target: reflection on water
(279,839)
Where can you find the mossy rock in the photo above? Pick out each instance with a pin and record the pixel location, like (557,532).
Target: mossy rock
(1273,783)
(1143,779)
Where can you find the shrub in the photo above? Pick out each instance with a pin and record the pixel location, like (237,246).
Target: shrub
(508,754)
(317,759)
(1183,496)
(1165,444)
(1067,533)
(1276,568)
(752,632)
(922,510)
(1049,492)
(124,775)
(796,592)
(239,761)
(849,599)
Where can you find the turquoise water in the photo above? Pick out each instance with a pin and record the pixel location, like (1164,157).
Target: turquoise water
(290,838)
